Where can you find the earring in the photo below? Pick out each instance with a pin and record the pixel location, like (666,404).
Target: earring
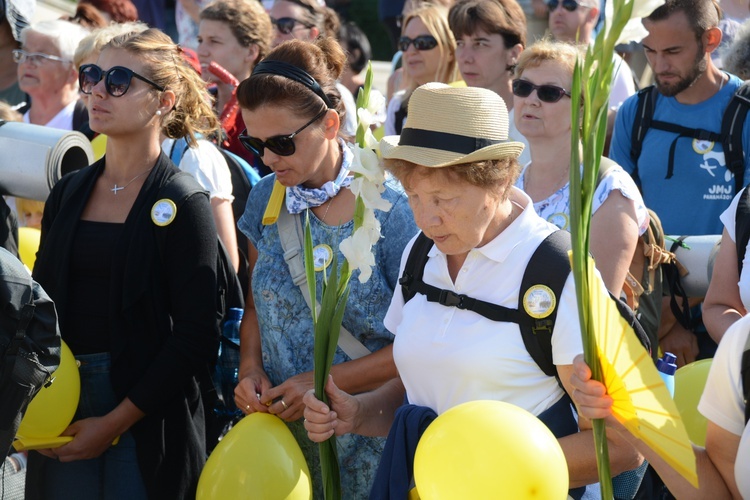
(158,112)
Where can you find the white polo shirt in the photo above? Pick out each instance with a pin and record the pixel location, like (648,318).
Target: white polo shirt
(448,356)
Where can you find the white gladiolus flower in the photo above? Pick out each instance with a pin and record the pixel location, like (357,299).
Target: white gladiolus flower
(371,225)
(633,30)
(370,194)
(376,102)
(357,251)
(366,163)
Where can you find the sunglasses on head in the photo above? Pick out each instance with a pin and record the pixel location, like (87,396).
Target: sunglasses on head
(422,42)
(545,93)
(286,25)
(569,5)
(116,80)
(282,145)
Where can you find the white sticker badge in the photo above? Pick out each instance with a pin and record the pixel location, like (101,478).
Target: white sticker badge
(163,212)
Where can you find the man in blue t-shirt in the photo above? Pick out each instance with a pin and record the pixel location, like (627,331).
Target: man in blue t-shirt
(692,93)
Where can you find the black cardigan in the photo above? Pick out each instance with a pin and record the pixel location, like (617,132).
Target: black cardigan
(162,317)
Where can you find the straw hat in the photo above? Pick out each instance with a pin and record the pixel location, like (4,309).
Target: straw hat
(448,126)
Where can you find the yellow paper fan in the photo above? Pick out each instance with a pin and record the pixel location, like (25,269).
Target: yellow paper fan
(274,204)
(641,400)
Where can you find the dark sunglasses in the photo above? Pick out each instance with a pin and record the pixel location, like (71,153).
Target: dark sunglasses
(116,80)
(282,145)
(569,5)
(422,42)
(545,93)
(286,25)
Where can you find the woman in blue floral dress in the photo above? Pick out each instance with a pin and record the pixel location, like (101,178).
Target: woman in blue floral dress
(293,89)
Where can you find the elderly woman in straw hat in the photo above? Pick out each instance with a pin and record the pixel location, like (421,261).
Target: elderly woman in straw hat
(458,169)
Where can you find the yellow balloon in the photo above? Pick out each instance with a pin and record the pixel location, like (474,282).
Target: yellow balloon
(481,449)
(28,244)
(53,408)
(258,458)
(689,382)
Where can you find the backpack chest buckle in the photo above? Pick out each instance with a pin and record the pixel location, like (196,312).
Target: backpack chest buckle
(452,299)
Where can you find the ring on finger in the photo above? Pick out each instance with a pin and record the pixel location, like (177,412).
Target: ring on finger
(284,404)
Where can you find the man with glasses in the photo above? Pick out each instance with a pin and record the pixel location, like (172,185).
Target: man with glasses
(575,20)
(490,35)
(692,93)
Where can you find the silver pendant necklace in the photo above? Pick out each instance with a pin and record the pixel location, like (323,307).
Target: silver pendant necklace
(117,188)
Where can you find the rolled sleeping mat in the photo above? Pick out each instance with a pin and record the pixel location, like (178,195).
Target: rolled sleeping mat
(697,254)
(34,158)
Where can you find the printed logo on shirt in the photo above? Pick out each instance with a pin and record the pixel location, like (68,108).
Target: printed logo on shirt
(163,212)
(539,301)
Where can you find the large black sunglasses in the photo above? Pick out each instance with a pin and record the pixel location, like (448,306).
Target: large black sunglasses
(422,42)
(116,80)
(569,5)
(282,145)
(286,25)
(545,93)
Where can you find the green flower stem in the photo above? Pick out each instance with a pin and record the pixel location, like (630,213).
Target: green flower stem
(592,79)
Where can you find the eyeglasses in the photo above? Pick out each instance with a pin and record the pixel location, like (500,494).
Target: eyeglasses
(569,5)
(282,145)
(286,25)
(422,42)
(21,56)
(545,93)
(116,80)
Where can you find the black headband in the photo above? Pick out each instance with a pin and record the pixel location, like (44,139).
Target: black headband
(443,141)
(293,73)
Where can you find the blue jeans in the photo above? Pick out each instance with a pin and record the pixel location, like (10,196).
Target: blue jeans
(114,475)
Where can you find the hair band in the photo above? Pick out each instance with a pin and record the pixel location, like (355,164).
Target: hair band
(292,72)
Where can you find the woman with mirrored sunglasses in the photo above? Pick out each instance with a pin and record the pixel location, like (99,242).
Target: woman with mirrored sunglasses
(44,65)
(233,36)
(293,115)
(429,55)
(542,114)
(128,252)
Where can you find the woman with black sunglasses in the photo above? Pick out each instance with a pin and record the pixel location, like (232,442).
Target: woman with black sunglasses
(429,55)
(130,261)
(544,75)
(293,115)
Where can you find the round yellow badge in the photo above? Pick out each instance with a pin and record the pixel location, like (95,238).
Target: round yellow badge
(163,212)
(702,147)
(559,219)
(539,301)
(322,256)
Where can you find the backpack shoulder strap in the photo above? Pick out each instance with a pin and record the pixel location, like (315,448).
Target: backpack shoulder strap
(732,125)
(643,115)
(746,378)
(179,146)
(742,227)
(414,267)
(547,271)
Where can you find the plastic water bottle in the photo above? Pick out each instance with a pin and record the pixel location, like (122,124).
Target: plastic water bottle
(667,366)
(229,356)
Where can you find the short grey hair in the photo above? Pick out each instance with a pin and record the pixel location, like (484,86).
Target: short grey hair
(735,57)
(65,35)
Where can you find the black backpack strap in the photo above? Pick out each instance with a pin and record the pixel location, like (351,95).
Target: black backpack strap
(746,377)
(742,228)
(731,129)
(414,267)
(549,267)
(643,116)
(412,283)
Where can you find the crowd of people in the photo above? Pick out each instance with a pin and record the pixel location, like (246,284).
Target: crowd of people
(476,141)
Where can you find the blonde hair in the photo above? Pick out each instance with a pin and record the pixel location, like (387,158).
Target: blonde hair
(547,50)
(93,43)
(165,66)
(435,19)
(25,205)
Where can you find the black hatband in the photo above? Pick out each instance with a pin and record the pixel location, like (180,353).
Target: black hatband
(444,141)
